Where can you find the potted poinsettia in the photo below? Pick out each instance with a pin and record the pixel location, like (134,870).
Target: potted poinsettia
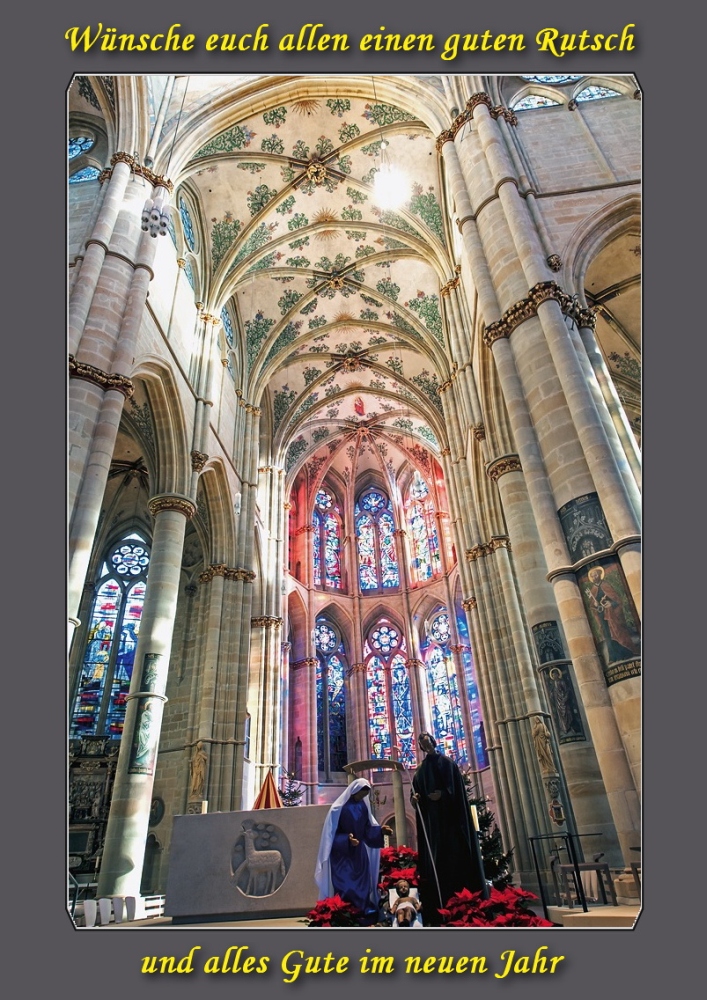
(334,912)
(397,863)
(504,908)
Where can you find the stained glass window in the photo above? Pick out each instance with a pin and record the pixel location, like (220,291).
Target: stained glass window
(443,689)
(389,696)
(331,699)
(595,94)
(190,274)
(326,520)
(472,691)
(375,527)
(101,699)
(186,223)
(227,326)
(424,541)
(79,144)
(534,101)
(557,78)
(87,174)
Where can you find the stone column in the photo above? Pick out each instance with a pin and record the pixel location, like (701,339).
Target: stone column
(128,822)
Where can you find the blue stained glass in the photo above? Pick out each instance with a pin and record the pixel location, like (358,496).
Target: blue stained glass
(374,501)
(425,557)
(227,326)
(324,637)
(321,719)
(324,500)
(366,553)
(337,714)
(596,93)
(389,560)
(447,723)
(440,629)
(418,489)
(87,174)
(385,638)
(379,727)
(557,78)
(534,101)
(317,549)
(186,223)
(332,556)
(101,698)
(402,711)
(189,273)
(80,144)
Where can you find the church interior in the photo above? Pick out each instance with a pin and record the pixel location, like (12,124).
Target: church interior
(354,429)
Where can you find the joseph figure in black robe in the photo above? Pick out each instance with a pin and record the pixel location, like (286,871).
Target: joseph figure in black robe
(447,844)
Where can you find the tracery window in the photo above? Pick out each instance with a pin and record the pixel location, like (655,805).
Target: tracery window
(443,688)
(378,562)
(86,174)
(187,226)
(389,697)
(556,78)
(101,699)
(80,144)
(424,542)
(326,519)
(534,101)
(331,699)
(596,94)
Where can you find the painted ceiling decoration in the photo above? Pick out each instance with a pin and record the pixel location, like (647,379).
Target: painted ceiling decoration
(330,299)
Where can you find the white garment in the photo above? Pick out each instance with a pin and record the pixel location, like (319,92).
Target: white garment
(322,871)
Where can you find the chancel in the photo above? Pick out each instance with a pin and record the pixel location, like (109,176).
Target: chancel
(344,471)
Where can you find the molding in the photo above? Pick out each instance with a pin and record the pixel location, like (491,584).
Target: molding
(487,548)
(524,309)
(172,501)
(497,111)
(89,373)
(500,466)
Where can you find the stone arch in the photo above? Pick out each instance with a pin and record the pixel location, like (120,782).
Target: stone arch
(595,233)
(173,472)
(219,501)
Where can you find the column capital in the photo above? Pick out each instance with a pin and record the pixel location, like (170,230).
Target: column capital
(500,466)
(156,180)
(172,501)
(476,100)
(266,621)
(216,569)
(479,432)
(308,661)
(412,662)
(469,604)
(486,548)
(524,309)
(105,381)
(453,283)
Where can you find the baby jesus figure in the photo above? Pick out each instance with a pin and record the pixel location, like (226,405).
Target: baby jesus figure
(406,907)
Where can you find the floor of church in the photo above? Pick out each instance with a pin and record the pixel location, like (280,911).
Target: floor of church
(621,916)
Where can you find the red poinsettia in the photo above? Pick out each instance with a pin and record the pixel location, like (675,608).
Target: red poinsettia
(397,863)
(504,908)
(334,912)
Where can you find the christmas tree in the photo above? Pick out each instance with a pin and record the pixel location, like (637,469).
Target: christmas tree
(292,790)
(497,863)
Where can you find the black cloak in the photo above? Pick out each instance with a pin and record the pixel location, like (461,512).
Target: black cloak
(453,842)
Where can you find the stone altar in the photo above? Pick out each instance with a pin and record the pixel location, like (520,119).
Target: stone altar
(235,865)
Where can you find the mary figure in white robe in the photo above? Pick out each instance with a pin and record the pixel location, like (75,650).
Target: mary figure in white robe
(349,851)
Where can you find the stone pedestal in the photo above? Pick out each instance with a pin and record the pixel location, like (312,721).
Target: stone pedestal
(242,864)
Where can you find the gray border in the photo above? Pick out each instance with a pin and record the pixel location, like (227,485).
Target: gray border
(45,949)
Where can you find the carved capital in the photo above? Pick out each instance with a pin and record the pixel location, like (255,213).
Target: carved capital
(414,663)
(469,604)
(479,432)
(487,548)
(156,180)
(500,466)
(266,621)
(525,308)
(357,668)
(305,529)
(172,501)
(89,373)
(555,262)
(449,286)
(308,661)
(198,460)
(497,111)
(246,575)
(445,451)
